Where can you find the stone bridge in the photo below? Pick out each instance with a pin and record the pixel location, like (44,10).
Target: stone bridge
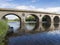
(52,20)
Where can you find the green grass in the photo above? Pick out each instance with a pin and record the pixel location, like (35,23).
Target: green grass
(3,31)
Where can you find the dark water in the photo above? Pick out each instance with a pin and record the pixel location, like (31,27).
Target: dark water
(45,38)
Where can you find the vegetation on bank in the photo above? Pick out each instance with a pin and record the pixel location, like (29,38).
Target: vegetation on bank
(12,20)
(30,18)
(3,31)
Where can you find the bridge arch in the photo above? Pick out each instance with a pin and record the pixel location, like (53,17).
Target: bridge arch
(34,20)
(16,16)
(56,21)
(46,22)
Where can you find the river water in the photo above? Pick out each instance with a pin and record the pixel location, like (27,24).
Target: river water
(44,38)
(16,25)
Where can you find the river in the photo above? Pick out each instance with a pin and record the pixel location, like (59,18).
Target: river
(16,25)
(44,38)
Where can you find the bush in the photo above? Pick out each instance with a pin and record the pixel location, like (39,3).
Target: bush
(3,30)
(31,18)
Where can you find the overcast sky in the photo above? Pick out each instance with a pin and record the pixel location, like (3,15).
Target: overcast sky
(38,5)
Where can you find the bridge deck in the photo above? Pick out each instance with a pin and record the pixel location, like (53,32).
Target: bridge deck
(30,11)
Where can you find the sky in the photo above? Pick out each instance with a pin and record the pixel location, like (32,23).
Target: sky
(37,5)
(11,17)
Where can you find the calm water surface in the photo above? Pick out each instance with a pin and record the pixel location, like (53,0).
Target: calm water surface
(45,38)
(16,25)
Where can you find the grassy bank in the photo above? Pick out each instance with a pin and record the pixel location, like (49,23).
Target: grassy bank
(3,31)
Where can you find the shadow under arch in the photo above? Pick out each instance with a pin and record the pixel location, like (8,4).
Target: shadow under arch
(46,22)
(36,20)
(14,15)
(56,21)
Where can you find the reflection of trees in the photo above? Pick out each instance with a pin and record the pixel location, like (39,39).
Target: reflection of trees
(56,21)
(46,22)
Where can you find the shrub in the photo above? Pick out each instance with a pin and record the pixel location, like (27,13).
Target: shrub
(30,18)
(3,30)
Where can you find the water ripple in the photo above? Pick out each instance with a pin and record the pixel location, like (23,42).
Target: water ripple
(45,38)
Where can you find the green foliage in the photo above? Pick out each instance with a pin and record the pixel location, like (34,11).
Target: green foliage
(3,30)
(16,20)
(44,18)
(31,18)
(12,20)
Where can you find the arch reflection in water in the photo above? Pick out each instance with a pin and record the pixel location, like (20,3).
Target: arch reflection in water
(56,21)
(13,21)
(31,22)
(46,21)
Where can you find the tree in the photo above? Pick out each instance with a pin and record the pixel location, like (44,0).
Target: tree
(30,18)
(16,19)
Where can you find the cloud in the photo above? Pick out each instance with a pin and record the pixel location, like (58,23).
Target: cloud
(50,9)
(7,4)
(25,7)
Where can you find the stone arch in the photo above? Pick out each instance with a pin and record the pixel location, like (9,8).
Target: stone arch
(56,21)
(36,19)
(46,22)
(3,17)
